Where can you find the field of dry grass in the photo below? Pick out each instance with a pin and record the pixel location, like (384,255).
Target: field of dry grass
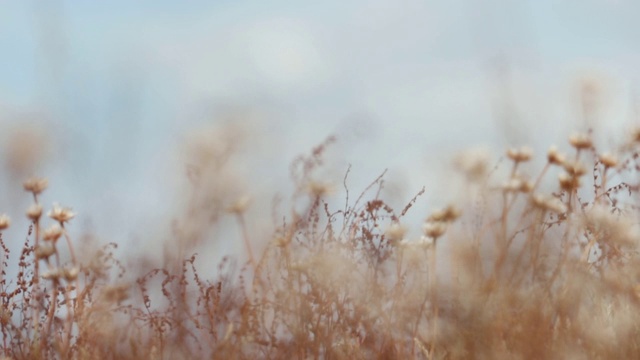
(533,264)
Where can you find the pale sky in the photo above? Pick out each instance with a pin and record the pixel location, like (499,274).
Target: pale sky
(117,85)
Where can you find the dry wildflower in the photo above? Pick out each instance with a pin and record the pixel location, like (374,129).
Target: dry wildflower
(575,169)
(549,203)
(44,251)
(70,273)
(448,214)
(36,185)
(53,274)
(581,141)
(5,221)
(52,233)
(520,155)
(434,229)
(473,163)
(318,189)
(34,212)
(61,214)
(568,182)
(517,185)
(608,160)
(554,156)
(396,232)
(240,205)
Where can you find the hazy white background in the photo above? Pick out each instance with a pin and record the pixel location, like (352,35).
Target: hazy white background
(116,87)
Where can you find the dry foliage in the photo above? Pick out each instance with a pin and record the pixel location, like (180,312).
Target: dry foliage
(515,272)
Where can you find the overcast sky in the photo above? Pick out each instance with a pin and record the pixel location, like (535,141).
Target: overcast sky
(118,85)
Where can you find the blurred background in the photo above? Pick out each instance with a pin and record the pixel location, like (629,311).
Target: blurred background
(101,97)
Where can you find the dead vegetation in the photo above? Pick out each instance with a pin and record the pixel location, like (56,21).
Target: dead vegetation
(529,267)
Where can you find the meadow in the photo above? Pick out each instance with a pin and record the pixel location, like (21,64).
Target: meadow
(535,263)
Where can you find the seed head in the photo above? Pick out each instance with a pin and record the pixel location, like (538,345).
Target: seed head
(61,214)
(448,214)
(70,273)
(520,155)
(434,229)
(518,185)
(5,221)
(54,274)
(44,251)
(608,160)
(555,157)
(396,232)
(473,163)
(36,185)
(240,205)
(53,233)
(549,203)
(568,182)
(575,169)
(580,141)
(34,212)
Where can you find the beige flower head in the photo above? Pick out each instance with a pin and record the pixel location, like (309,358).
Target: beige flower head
(581,141)
(568,182)
(448,214)
(44,251)
(608,160)
(61,214)
(70,273)
(53,233)
(36,185)
(549,203)
(576,169)
(395,232)
(520,155)
(53,274)
(240,205)
(34,212)
(5,221)
(473,163)
(517,184)
(554,156)
(434,229)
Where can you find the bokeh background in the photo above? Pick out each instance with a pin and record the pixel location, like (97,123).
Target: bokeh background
(101,96)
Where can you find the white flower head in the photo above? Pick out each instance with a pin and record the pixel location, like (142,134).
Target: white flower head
(61,214)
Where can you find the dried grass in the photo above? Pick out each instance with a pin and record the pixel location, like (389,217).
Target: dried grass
(515,272)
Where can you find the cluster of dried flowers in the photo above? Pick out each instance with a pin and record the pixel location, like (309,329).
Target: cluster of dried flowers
(528,267)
